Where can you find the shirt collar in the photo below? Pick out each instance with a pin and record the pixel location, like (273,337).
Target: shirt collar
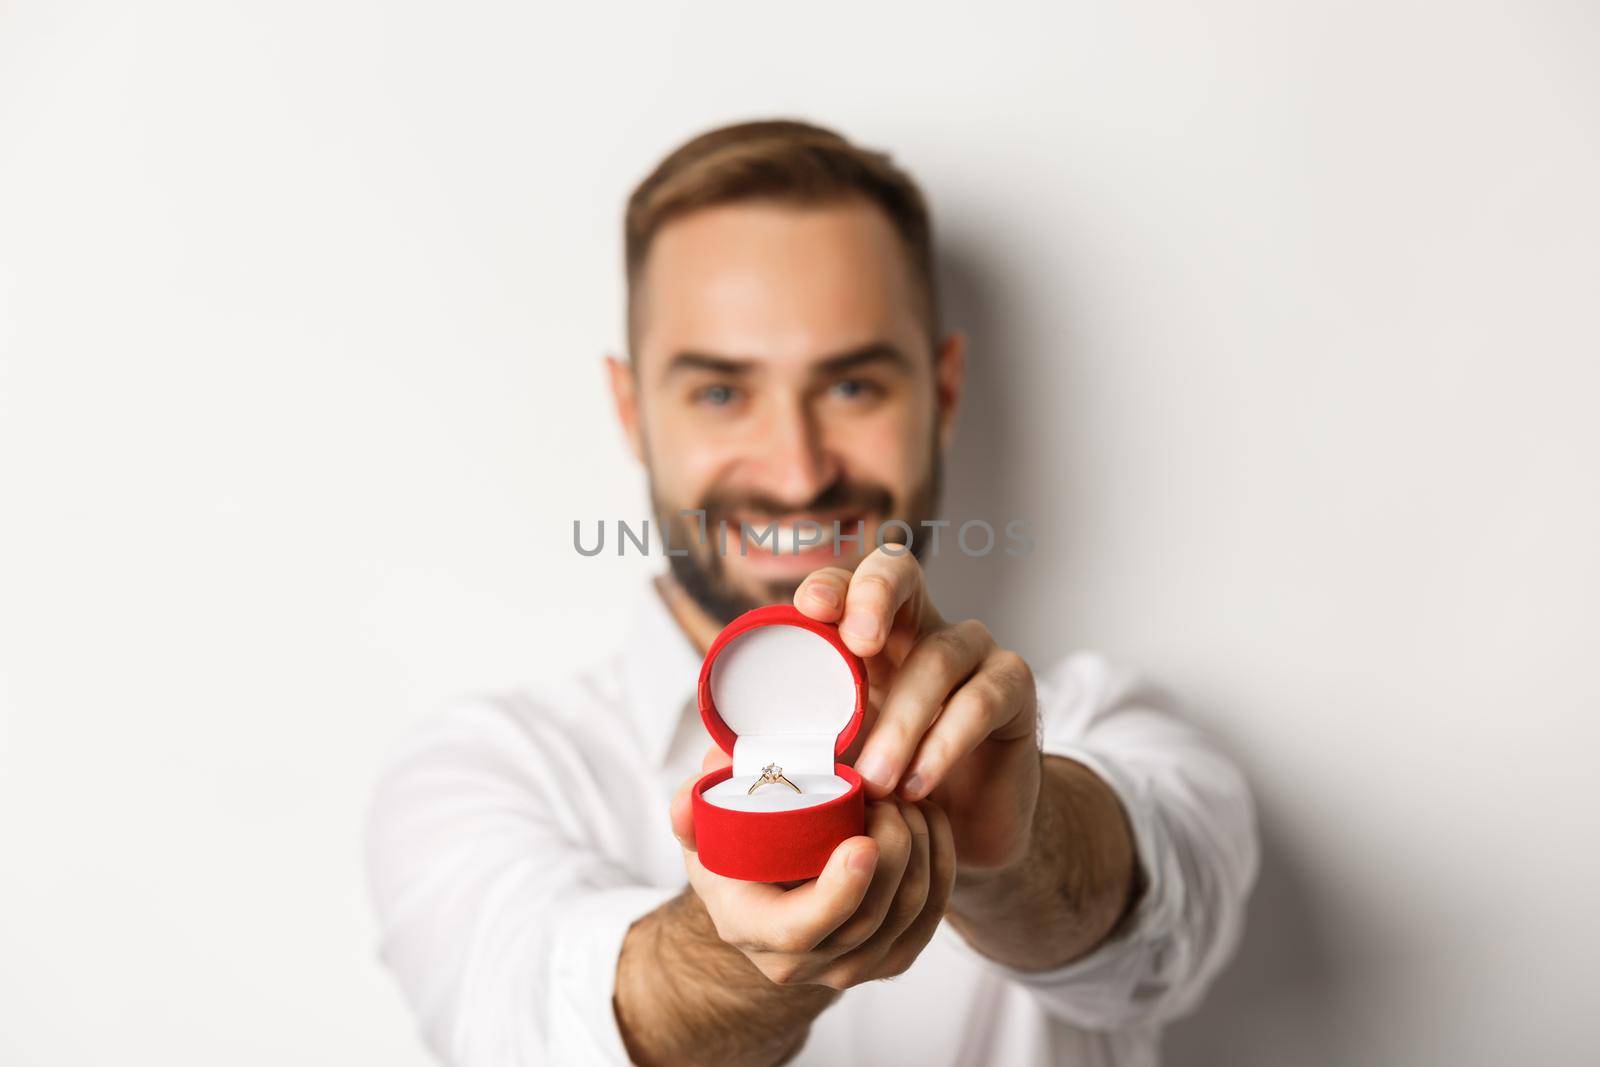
(661,669)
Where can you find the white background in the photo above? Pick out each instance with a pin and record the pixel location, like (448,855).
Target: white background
(1285,339)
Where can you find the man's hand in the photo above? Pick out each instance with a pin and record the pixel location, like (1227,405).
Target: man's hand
(956,713)
(1046,861)
(734,972)
(868,915)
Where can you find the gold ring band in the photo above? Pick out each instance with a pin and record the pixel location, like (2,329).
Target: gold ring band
(770,774)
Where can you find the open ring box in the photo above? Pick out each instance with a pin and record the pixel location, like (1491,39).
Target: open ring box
(778,687)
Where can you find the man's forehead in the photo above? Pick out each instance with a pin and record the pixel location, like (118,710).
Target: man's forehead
(780,282)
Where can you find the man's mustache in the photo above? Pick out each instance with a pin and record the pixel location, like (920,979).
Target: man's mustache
(855,498)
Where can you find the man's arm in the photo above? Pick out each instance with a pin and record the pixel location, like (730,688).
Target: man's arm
(500,926)
(1191,821)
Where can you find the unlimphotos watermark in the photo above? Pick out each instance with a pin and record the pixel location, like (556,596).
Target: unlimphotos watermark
(975,538)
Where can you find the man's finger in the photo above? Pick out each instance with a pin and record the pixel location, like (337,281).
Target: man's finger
(998,701)
(682,813)
(821,595)
(799,918)
(925,886)
(905,903)
(941,879)
(934,668)
(883,585)
(888,828)
(739,909)
(682,806)
(913,892)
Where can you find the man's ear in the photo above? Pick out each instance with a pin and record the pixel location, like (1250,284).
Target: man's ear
(949,380)
(625,395)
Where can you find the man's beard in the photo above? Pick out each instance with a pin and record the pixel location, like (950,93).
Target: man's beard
(699,569)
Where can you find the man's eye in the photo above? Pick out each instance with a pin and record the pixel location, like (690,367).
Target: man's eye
(715,395)
(852,388)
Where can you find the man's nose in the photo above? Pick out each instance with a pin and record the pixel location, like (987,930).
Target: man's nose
(795,464)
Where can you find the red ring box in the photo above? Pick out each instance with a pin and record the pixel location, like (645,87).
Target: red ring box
(778,687)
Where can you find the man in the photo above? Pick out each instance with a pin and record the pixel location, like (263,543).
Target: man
(1053,867)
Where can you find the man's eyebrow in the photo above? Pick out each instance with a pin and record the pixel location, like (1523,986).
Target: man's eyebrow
(872,352)
(687,361)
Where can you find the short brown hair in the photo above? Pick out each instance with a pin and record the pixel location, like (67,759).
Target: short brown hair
(778,159)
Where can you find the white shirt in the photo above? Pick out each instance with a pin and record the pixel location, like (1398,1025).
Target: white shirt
(516,837)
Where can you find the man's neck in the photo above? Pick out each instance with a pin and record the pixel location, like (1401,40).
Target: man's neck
(692,619)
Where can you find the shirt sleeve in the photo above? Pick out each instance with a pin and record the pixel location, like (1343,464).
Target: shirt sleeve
(1193,823)
(502,928)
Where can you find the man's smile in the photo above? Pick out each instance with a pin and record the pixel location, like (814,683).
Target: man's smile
(798,541)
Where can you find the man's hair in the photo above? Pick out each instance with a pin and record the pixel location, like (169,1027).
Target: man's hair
(778,160)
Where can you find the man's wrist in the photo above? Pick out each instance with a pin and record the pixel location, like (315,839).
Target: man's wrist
(686,996)
(1073,886)
(983,895)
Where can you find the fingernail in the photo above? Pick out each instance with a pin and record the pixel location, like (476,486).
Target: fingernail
(913,786)
(824,594)
(862,859)
(876,769)
(860,626)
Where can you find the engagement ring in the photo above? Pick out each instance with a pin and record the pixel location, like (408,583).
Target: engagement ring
(771,773)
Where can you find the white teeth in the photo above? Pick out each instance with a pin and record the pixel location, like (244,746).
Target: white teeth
(787,539)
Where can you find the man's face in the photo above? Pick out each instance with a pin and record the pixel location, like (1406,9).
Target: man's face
(782,372)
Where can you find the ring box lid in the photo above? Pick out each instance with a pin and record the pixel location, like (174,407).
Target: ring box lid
(778,687)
